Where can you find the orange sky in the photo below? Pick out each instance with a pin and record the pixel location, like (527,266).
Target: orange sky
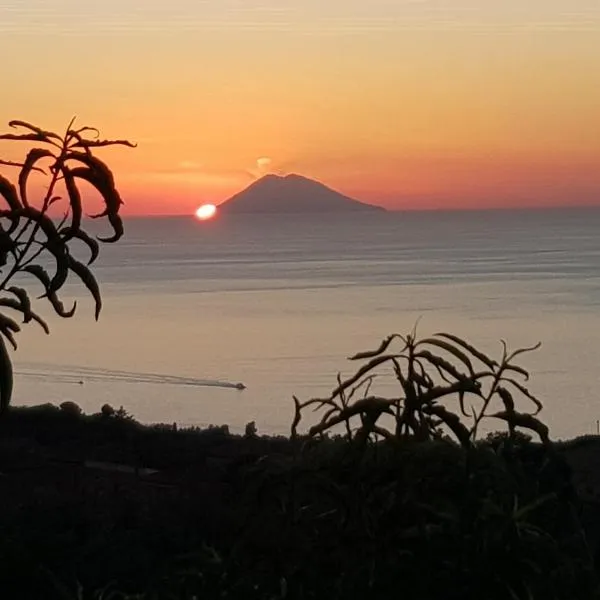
(406,103)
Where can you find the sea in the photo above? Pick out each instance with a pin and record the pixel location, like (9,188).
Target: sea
(279,302)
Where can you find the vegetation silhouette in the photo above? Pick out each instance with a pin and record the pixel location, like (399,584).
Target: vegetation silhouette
(30,238)
(431,372)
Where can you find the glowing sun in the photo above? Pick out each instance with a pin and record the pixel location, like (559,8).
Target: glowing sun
(206,211)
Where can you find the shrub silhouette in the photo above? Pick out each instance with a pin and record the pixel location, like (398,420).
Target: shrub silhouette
(431,372)
(30,238)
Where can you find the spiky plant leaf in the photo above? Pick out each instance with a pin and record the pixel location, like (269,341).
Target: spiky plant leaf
(441,363)
(22,137)
(525,421)
(42,135)
(520,351)
(101,143)
(74,199)
(8,327)
(34,155)
(362,371)
(7,244)
(382,348)
(117,225)
(16,305)
(486,360)
(42,275)
(24,300)
(98,175)
(517,369)
(88,279)
(450,349)
(507,399)
(69,233)
(525,392)
(9,192)
(451,420)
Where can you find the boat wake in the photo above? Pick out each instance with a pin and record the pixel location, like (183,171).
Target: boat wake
(78,375)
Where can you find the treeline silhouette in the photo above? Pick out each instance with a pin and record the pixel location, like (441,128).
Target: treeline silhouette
(115,509)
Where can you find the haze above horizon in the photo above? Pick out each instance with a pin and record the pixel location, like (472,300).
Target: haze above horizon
(413,104)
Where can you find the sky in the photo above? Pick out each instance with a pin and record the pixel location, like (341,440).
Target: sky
(410,104)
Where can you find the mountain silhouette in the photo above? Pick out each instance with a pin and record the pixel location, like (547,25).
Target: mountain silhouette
(292,194)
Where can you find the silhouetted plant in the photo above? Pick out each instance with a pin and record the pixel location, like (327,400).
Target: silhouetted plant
(431,372)
(29,236)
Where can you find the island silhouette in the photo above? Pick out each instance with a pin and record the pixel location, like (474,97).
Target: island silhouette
(292,194)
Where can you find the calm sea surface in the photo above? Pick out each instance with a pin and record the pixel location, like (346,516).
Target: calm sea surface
(279,302)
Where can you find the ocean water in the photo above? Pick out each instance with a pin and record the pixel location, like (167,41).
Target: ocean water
(278,303)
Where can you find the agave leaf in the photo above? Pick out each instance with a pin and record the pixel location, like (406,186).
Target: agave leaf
(54,245)
(117,225)
(16,305)
(83,143)
(40,132)
(84,129)
(40,273)
(461,403)
(44,222)
(297,417)
(74,198)
(24,137)
(88,279)
(375,362)
(34,155)
(516,419)
(517,369)
(100,176)
(441,373)
(7,243)
(382,348)
(519,351)
(507,399)
(467,386)
(450,349)
(526,393)
(441,363)
(23,297)
(9,192)
(451,420)
(10,163)
(62,268)
(59,307)
(486,360)
(9,326)
(68,233)
(96,173)
(6,376)
(372,404)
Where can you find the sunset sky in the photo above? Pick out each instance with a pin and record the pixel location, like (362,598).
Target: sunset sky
(404,103)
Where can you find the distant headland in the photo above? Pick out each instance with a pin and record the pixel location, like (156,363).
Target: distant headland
(292,194)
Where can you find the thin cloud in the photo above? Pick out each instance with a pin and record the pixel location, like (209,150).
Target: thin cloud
(72,18)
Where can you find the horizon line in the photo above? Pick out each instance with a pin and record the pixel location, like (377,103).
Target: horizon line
(552,207)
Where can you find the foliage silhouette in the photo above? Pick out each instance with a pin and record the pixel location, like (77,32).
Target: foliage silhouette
(431,372)
(30,237)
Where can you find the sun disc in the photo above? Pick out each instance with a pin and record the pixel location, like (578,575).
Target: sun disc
(206,211)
